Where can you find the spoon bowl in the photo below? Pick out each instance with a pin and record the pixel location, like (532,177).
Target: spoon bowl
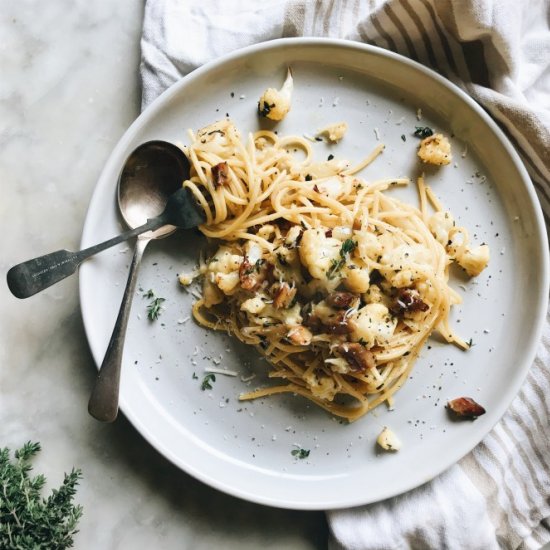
(149,188)
(153,171)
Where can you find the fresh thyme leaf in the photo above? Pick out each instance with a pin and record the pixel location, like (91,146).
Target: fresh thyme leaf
(206,382)
(300,453)
(348,246)
(423,131)
(27,520)
(335,266)
(266,109)
(195,377)
(403,137)
(259,264)
(149,294)
(470,343)
(154,308)
(308,177)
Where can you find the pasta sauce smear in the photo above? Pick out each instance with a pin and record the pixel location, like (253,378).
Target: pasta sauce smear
(334,281)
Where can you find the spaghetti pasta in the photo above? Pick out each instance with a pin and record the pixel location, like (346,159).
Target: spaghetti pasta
(337,283)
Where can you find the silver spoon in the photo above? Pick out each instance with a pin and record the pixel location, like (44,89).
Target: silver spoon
(146,186)
(150,180)
(154,204)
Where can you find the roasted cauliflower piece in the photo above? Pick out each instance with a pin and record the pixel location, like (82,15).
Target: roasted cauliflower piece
(474,260)
(275,104)
(334,132)
(436,150)
(388,440)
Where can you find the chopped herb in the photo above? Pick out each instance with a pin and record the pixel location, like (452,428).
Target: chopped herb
(206,383)
(335,266)
(348,246)
(317,138)
(154,308)
(232,94)
(330,157)
(403,137)
(308,177)
(300,453)
(266,109)
(195,377)
(27,520)
(259,264)
(470,343)
(423,132)
(362,341)
(149,294)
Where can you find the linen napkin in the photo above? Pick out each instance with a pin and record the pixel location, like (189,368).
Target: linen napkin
(498,51)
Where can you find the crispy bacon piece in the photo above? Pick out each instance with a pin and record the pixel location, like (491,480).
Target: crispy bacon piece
(283,294)
(247,276)
(220,175)
(339,325)
(407,300)
(465,407)
(340,300)
(358,357)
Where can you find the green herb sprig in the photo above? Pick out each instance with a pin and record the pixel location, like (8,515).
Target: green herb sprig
(155,308)
(27,520)
(423,131)
(348,246)
(300,453)
(206,383)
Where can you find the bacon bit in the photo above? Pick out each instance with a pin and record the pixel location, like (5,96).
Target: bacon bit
(357,224)
(340,300)
(358,358)
(465,407)
(246,275)
(340,325)
(328,234)
(407,300)
(220,174)
(300,336)
(316,189)
(282,294)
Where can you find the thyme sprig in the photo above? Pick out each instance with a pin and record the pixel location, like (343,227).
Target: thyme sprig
(27,520)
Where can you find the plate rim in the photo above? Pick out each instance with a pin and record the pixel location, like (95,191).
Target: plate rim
(528,186)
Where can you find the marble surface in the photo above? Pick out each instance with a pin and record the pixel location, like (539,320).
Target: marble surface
(69,89)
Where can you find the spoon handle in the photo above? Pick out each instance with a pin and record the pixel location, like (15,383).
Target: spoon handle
(103,404)
(33,276)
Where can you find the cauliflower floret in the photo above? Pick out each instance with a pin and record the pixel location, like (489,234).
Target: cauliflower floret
(211,294)
(435,149)
(338,364)
(388,440)
(357,280)
(373,324)
(225,261)
(300,335)
(440,224)
(275,104)
(227,282)
(253,305)
(318,252)
(474,260)
(185,279)
(253,251)
(374,295)
(341,232)
(368,245)
(334,132)
(292,235)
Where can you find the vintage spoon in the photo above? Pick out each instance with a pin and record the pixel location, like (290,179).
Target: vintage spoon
(152,173)
(146,185)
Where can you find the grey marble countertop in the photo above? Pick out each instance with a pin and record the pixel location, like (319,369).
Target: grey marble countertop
(69,89)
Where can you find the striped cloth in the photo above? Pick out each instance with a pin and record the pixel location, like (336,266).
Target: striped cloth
(498,496)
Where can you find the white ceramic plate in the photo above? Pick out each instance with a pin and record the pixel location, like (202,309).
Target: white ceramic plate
(245,448)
